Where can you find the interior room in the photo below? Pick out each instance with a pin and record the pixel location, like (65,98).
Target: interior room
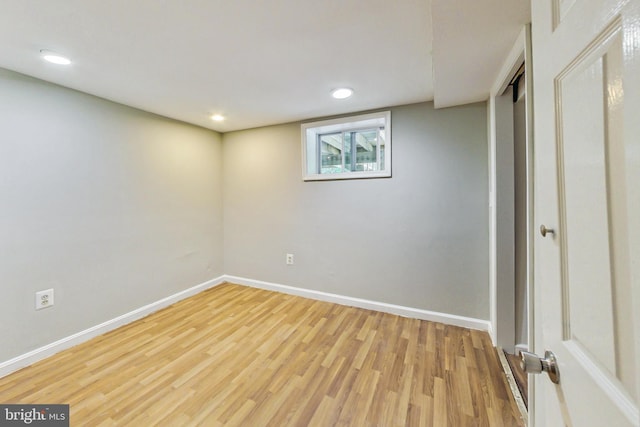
(297,213)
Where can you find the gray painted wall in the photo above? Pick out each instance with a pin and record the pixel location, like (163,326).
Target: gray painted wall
(112,207)
(116,208)
(418,239)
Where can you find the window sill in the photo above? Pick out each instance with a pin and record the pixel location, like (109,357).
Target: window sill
(347,175)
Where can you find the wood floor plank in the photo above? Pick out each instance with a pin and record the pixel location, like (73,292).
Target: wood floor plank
(237,356)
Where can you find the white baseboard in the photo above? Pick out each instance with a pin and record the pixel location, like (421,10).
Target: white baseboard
(33,356)
(416,313)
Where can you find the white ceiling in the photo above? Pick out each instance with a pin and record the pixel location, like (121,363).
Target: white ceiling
(262,62)
(471,39)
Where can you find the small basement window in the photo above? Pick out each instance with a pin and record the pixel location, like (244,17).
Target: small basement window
(347,148)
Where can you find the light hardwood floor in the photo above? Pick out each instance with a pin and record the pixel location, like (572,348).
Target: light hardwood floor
(237,356)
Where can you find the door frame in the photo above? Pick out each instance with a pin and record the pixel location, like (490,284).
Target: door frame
(501,191)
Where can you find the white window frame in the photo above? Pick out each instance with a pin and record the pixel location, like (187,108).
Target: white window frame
(310,146)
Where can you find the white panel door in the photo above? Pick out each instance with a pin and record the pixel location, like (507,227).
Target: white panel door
(586,79)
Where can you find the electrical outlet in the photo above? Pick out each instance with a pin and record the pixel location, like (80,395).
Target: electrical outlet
(44,299)
(289,259)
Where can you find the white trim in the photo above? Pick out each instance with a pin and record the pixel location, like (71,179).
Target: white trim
(43,352)
(490,331)
(491,159)
(510,65)
(416,313)
(512,62)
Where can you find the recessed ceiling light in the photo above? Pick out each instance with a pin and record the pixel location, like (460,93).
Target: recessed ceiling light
(54,58)
(217,117)
(342,93)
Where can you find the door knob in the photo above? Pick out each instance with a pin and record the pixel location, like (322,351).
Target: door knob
(544,230)
(534,364)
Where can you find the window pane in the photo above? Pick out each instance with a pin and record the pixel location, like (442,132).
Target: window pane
(348,159)
(366,150)
(331,148)
(381,139)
